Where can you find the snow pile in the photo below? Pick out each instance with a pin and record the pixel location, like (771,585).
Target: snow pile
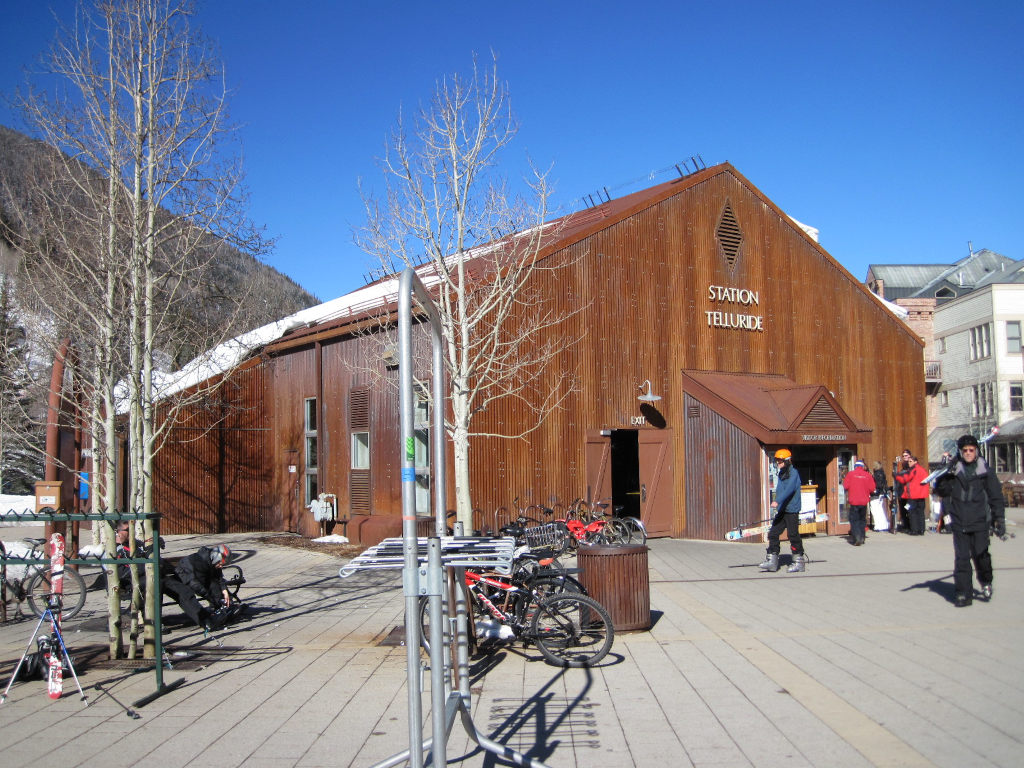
(16,549)
(332,539)
(16,505)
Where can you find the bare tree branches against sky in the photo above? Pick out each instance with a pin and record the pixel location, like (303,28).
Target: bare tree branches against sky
(891,127)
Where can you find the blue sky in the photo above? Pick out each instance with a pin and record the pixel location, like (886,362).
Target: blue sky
(895,128)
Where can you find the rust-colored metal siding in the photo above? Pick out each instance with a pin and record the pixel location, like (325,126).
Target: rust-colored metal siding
(637,276)
(212,472)
(723,467)
(643,283)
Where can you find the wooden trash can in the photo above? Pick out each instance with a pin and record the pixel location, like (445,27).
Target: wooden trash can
(617,577)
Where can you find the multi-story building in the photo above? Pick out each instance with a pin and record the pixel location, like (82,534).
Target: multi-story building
(978,342)
(969,315)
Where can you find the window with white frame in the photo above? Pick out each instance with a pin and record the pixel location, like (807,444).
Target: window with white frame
(360,450)
(1017,396)
(980,342)
(1013,340)
(944,399)
(983,400)
(311,462)
(941,344)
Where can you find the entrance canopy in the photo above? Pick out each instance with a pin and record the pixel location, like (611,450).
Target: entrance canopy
(776,410)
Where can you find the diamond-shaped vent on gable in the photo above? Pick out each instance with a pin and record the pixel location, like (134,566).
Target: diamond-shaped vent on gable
(729,236)
(822,416)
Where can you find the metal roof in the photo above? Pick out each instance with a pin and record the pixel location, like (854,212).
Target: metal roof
(906,275)
(963,276)
(775,409)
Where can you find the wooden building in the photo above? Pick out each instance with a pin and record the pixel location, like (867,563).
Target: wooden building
(749,332)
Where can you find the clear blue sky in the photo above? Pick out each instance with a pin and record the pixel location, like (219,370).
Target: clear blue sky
(893,127)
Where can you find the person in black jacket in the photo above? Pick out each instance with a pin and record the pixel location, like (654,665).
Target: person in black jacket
(973,499)
(199,576)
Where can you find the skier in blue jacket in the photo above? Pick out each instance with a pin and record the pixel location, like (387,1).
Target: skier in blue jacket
(787,516)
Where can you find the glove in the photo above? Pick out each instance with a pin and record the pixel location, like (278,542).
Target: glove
(999,527)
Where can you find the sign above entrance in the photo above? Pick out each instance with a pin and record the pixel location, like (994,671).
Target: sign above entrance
(724,294)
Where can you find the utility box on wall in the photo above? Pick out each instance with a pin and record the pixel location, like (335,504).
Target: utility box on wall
(48,495)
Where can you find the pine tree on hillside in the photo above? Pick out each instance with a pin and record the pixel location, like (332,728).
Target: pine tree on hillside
(21,458)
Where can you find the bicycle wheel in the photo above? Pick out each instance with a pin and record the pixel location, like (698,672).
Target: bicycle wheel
(615,532)
(546,584)
(73,599)
(637,531)
(572,630)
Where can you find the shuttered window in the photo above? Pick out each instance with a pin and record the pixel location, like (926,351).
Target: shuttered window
(359,473)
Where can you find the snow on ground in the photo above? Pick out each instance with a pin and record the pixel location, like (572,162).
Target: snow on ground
(16,505)
(334,538)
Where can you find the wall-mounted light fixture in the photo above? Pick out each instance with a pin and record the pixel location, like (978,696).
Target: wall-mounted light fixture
(648,397)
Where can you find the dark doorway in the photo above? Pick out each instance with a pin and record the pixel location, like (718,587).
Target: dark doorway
(633,468)
(625,473)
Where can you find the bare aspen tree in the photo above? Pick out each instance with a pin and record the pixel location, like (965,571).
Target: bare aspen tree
(140,121)
(476,244)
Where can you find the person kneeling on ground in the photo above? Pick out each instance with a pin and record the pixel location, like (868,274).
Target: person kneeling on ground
(199,576)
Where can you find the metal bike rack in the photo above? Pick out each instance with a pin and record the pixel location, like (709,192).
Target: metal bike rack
(449,678)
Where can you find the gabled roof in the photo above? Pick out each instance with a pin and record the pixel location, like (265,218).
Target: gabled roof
(359,307)
(1010,273)
(923,280)
(775,409)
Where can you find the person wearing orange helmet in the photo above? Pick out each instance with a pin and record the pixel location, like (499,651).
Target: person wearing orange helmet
(786,506)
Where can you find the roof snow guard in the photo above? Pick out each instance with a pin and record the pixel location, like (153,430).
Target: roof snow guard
(774,409)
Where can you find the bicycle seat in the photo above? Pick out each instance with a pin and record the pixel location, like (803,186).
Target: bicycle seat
(34,542)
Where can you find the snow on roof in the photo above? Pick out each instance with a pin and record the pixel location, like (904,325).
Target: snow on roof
(900,312)
(230,353)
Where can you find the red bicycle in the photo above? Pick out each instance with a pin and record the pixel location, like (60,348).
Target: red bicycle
(590,524)
(569,628)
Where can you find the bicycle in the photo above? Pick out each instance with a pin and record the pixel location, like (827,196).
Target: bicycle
(569,628)
(34,587)
(590,524)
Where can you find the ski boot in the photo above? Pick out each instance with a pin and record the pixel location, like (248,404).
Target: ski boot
(799,564)
(771,562)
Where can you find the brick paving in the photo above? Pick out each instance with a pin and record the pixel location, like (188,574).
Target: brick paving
(860,661)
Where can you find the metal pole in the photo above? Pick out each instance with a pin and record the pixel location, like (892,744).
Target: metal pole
(157,598)
(438,687)
(410,573)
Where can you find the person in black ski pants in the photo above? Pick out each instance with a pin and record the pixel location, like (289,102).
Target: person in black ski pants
(973,499)
(787,516)
(196,576)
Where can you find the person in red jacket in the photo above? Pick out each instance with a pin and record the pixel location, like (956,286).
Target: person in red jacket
(915,493)
(859,485)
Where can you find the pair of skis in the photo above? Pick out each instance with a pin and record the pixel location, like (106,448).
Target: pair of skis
(55,677)
(57,653)
(762,526)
